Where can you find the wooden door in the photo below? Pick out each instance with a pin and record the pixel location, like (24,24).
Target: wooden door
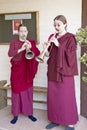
(84,49)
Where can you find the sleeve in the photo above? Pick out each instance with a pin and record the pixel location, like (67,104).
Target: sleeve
(12,49)
(71,51)
(34,48)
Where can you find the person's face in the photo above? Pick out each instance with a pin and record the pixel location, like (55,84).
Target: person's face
(59,26)
(23,33)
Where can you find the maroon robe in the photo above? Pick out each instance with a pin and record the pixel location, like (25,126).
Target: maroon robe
(22,70)
(62,66)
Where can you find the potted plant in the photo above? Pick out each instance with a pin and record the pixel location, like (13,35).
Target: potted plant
(81,36)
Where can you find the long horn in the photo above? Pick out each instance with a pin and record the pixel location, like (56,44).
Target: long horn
(29,54)
(40,58)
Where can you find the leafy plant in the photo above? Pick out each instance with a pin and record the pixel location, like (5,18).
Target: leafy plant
(81,36)
(83,59)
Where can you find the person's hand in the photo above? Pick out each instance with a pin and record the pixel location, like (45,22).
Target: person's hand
(55,41)
(27,45)
(22,48)
(45,45)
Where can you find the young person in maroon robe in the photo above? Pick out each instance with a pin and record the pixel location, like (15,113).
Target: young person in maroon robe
(23,71)
(62,67)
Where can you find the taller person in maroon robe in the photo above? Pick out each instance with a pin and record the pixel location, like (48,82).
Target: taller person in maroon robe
(62,67)
(22,74)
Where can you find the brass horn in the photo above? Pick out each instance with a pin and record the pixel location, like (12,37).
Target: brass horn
(40,58)
(29,54)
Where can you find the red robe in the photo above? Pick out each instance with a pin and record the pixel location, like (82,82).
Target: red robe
(62,61)
(22,70)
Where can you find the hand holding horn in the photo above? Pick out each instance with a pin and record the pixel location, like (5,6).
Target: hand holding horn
(40,58)
(29,54)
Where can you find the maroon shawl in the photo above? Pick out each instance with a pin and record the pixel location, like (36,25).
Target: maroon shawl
(62,61)
(22,70)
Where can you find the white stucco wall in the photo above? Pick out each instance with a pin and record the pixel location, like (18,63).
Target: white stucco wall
(47,11)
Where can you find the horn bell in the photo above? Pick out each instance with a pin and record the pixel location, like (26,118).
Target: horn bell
(40,58)
(29,55)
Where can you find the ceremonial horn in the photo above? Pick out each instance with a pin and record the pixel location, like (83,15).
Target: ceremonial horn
(29,54)
(40,58)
